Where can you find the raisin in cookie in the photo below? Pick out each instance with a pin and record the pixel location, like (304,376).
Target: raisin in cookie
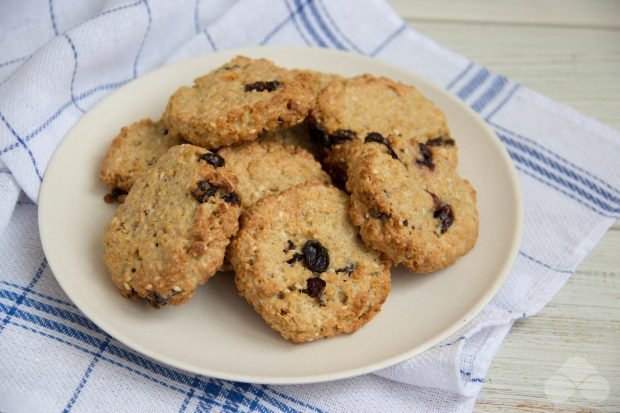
(239,101)
(171,233)
(267,168)
(414,208)
(347,110)
(300,264)
(132,151)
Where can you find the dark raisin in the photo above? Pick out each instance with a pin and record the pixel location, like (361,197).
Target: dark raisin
(314,288)
(316,257)
(289,246)
(341,135)
(405,223)
(378,138)
(435,199)
(296,257)
(213,159)
(348,269)
(165,131)
(203,191)
(262,86)
(318,133)
(440,141)
(114,195)
(427,157)
(443,212)
(374,213)
(156,299)
(445,216)
(230,197)
(133,294)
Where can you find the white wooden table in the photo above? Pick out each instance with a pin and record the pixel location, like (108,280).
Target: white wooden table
(568,50)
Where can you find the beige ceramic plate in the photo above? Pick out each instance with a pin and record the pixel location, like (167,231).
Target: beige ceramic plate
(217,333)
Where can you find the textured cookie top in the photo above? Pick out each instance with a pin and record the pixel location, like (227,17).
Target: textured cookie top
(414,208)
(239,101)
(133,150)
(299,262)
(347,110)
(267,168)
(366,103)
(318,80)
(297,135)
(170,234)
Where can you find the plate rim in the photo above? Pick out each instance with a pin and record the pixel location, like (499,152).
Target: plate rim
(490,292)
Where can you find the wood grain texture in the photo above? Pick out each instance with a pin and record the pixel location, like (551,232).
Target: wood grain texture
(572,13)
(578,67)
(568,50)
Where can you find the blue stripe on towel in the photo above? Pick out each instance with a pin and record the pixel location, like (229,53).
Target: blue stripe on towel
(495,89)
(388,39)
(10,311)
(559,178)
(461,74)
(22,142)
(112,349)
(146,33)
(543,150)
(75,68)
(473,84)
(325,28)
(86,376)
(318,40)
(337,29)
(53,17)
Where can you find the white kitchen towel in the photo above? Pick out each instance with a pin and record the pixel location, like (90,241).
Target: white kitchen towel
(60,57)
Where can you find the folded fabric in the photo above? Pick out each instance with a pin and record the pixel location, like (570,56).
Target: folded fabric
(58,58)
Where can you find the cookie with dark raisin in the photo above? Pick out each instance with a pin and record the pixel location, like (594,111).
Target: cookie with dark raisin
(269,167)
(414,209)
(239,101)
(352,111)
(132,151)
(171,233)
(299,262)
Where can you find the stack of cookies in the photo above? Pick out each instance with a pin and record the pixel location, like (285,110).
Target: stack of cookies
(308,185)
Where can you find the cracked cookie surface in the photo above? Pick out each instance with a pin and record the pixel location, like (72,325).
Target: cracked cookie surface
(171,233)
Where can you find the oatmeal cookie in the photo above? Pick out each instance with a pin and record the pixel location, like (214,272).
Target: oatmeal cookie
(413,208)
(347,110)
(267,168)
(171,233)
(239,101)
(132,151)
(300,264)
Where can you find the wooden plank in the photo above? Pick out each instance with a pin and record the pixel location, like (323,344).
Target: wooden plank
(577,67)
(580,13)
(581,321)
(605,258)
